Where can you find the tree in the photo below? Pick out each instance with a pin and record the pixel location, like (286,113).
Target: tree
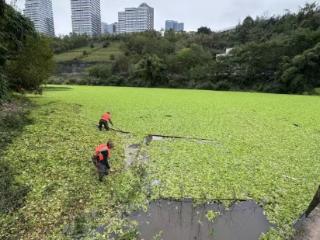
(204,30)
(70,42)
(3,83)
(189,57)
(121,65)
(13,31)
(302,73)
(32,66)
(148,43)
(102,71)
(151,70)
(309,16)
(2,7)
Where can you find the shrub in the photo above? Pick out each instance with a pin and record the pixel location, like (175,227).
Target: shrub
(102,71)
(106,44)
(205,85)
(121,65)
(32,66)
(222,85)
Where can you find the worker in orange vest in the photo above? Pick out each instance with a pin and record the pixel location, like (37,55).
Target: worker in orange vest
(104,121)
(101,159)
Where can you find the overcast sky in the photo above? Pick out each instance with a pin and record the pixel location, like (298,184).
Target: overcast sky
(216,14)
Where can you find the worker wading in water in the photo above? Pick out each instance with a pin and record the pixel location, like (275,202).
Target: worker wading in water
(101,159)
(104,121)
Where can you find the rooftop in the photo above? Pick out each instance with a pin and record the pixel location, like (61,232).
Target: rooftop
(144,5)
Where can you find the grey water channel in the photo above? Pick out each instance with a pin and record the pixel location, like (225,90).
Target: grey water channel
(181,220)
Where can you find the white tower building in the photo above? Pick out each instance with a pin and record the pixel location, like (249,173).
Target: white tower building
(86,17)
(41,14)
(138,19)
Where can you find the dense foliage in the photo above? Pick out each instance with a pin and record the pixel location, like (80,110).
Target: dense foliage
(21,52)
(264,56)
(74,41)
(69,42)
(36,59)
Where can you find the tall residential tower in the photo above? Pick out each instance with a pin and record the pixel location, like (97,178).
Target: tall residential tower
(174,26)
(86,17)
(41,14)
(108,28)
(138,19)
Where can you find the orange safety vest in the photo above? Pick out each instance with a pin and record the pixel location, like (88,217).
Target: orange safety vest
(106,117)
(102,148)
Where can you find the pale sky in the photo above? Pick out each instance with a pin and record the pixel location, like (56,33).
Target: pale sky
(216,14)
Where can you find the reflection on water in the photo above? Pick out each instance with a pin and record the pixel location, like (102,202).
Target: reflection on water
(180,220)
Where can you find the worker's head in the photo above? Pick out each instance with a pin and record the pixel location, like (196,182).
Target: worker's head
(109,113)
(110,144)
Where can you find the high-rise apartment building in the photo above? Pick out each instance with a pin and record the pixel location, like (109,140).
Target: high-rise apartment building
(86,17)
(180,27)
(41,14)
(174,25)
(121,25)
(108,28)
(138,19)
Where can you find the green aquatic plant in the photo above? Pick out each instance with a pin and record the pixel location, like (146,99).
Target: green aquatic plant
(262,147)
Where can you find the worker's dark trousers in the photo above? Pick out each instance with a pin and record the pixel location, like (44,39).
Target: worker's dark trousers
(103,123)
(103,168)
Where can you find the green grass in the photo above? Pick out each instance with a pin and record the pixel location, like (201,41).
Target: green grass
(265,147)
(103,54)
(68,56)
(96,54)
(74,54)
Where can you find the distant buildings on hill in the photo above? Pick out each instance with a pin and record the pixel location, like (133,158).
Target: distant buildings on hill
(138,19)
(174,26)
(86,18)
(131,20)
(108,28)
